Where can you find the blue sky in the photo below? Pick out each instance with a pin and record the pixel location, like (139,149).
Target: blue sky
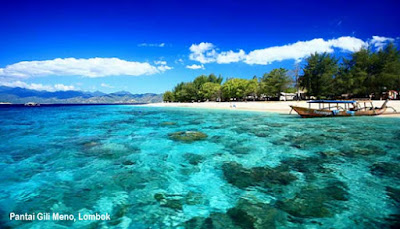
(149,46)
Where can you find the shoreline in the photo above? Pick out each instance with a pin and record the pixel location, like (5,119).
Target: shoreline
(279,107)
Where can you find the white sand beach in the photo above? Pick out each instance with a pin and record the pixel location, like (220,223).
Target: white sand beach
(281,107)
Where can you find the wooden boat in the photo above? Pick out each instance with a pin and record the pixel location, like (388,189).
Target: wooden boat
(339,108)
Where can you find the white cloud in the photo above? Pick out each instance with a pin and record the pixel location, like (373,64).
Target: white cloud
(201,48)
(106,85)
(62,87)
(195,66)
(292,51)
(380,42)
(207,52)
(38,87)
(152,45)
(164,68)
(302,49)
(179,61)
(160,62)
(203,52)
(92,67)
(230,56)
(162,65)
(350,44)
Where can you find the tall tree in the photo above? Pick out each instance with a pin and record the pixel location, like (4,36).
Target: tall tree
(275,82)
(214,79)
(388,65)
(252,88)
(318,74)
(185,92)
(198,83)
(211,91)
(168,96)
(234,88)
(368,72)
(354,75)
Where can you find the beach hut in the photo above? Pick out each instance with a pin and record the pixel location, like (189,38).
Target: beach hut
(287,96)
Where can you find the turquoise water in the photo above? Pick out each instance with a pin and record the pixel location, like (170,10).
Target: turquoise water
(251,170)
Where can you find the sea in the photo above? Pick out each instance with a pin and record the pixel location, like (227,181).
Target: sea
(149,167)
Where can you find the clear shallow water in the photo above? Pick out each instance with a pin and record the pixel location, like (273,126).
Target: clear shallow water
(253,170)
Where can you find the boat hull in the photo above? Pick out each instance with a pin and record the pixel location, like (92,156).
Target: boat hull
(315,113)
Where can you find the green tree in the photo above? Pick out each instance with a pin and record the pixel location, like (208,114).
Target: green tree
(168,96)
(365,72)
(275,82)
(388,69)
(185,92)
(211,91)
(199,81)
(319,74)
(214,79)
(234,88)
(368,72)
(252,88)
(354,74)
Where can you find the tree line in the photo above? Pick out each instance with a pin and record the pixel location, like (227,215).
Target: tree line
(363,74)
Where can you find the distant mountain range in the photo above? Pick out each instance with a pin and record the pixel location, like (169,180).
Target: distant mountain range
(17,95)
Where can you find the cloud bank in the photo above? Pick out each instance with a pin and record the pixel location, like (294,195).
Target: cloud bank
(92,67)
(207,53)
(39,87)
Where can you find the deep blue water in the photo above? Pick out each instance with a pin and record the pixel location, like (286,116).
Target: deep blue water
(251,170)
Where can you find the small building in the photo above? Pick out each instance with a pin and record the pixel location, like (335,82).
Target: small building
(287,96)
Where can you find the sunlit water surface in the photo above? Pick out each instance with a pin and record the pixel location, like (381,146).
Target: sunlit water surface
(252,170)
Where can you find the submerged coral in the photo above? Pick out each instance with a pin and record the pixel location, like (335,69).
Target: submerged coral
(364,150)
(242,177)
(215,220)
(314,202)
(193,159)
(176,201)
(245,215)
(309,166)
(187,136)
(394,194)
(248,214)
(130,180)
(168,124)
(386,169)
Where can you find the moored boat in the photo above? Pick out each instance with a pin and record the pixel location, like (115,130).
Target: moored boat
(339,108)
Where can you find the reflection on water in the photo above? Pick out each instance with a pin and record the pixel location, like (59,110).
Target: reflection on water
(167,168)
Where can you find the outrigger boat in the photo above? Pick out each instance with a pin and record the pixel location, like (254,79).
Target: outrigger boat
(340,108)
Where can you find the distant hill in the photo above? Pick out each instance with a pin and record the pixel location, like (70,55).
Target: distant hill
(22,95)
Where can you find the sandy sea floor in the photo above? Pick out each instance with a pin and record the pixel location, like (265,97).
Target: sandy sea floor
(162,167)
